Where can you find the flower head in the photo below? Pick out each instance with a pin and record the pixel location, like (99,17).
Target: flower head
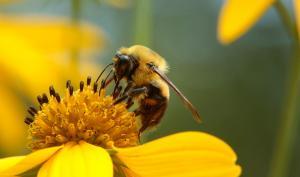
(88,133)
(85,114)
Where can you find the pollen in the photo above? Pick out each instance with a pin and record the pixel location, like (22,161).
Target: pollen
(86,114)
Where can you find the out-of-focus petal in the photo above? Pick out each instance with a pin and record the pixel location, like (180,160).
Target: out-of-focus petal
(25,65)
(79,160)
(32,49)
(8,1)
(189,154)
(238,16)
(89,68)
(12,127)
(53,35)
(18,165)
(297,13)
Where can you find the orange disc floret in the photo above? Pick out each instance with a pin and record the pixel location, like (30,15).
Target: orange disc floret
(86,114)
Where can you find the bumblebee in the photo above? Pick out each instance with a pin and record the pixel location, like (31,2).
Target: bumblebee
(147,84)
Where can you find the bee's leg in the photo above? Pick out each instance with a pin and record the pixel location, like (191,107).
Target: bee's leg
(117,92)
(132,93)
(117,82)
(102,84)
(129,103)
(106,82)
(137,112)
(128,87)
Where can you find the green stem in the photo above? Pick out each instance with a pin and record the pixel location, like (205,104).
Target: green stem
(286,19)
(75,11)
(143,23)
(75,18)
(289,120)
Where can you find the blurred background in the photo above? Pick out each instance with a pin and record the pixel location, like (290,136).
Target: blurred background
(237,88)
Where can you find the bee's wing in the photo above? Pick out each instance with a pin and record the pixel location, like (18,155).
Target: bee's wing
(186,102)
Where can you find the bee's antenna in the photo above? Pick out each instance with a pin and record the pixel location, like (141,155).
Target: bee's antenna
(110,64)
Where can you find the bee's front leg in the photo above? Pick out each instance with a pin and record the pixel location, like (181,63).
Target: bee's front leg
(128,87)
(132,93)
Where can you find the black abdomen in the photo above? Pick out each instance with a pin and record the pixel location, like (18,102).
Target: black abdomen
(152,108)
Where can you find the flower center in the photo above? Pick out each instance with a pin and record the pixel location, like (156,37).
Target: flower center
(85,114)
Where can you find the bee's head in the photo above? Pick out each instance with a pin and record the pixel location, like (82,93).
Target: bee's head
(124,65)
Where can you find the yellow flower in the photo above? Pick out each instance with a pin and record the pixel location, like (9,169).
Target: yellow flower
(238,16)
(297,12)
(33,53)
(86,134)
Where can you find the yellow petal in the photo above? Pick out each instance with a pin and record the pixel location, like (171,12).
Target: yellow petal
(9,162)
(56,165)
(44,171)
(189,154)
(29,66)
(53,35)
(98,161)
(11,122)
(77,160)
(238,16)
(129,173)
(41,46)
(18,165)
(297,13)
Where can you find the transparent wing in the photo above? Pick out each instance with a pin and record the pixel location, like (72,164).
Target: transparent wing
(185,101)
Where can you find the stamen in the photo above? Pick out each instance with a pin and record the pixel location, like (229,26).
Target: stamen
(71,89)
(88,80)
(28,120)
(52,91)
(31,112)
(68,83)
(57,97)
(45,98)
(95,87)
(93,118)
(33,109)
(40,99)
(81,86)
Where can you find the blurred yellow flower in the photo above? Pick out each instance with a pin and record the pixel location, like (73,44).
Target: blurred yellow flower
(34,52)
(297,12)
(8,1)
(238,16)
(86,134)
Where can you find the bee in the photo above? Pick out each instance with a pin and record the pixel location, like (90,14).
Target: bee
(147,84)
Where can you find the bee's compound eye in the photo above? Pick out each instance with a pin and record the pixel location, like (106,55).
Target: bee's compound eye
(124,57)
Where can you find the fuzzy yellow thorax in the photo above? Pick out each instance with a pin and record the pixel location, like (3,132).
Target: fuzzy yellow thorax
(86,114)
